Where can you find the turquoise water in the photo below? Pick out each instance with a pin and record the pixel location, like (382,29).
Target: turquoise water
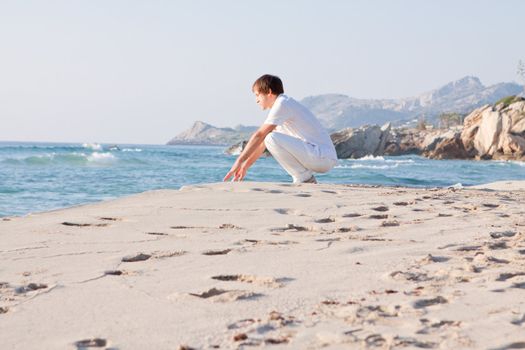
(43,176)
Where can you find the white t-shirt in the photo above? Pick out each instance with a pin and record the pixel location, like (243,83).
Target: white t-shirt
(294,119)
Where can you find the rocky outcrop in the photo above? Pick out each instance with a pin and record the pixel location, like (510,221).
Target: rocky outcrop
(357,143)
(449,146)
(496,132)
(205,134)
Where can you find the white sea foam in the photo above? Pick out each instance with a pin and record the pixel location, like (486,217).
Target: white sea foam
(131,150)
(457,186)
(371,157)
(362,166)
(101,157)
(93,146)
(400,161)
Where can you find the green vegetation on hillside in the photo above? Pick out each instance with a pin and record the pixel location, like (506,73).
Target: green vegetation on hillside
(509,100)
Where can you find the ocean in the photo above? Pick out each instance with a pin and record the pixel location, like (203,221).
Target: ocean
(37,177)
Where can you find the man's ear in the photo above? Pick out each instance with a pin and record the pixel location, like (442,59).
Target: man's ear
(270,92)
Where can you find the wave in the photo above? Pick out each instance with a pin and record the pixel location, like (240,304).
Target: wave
(75,158)
(92,146)
(370,157)
(132,150)
(362,166)
(381,159)
(101,157)
(509,162)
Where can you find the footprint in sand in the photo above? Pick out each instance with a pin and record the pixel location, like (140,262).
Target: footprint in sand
(378,216)
(432,327)
(381,208)
(217,252)
(327,191)
(3,310)
(262,242)
(490,205)
(352,215)
(433,259)
(258,280)
(30,287)
(167,254)
(228,226)
(518,285)
(305,195)
(67,223)
(113,272)
(502,234)
(136,257)
(498,245)
(390,223)
(221,295)
(516,345)
(508,275)
(403,204)
(410,276)
(291,227)
(412,342)
(242,323)
(348,229)
(423,303)
(468,248)
(157,233)
(518,321)
(325,220)
(91,343)
(107,218)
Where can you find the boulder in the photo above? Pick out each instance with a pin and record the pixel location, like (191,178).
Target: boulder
(449,146)
(360,142)
(496,132)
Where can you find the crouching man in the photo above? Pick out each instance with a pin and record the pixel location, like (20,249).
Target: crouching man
(291,133)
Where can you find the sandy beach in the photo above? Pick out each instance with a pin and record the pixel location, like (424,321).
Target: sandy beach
(243,265)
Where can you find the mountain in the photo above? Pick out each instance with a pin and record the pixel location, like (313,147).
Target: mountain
(337,111)
(205,134)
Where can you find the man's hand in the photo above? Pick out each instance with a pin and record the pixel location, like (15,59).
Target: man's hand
(253,150)
(237,171)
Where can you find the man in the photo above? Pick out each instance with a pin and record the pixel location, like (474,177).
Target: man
(291,133)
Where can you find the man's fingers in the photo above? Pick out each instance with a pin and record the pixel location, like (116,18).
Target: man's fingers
(227,176)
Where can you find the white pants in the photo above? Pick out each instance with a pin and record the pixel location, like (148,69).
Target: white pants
(300,159)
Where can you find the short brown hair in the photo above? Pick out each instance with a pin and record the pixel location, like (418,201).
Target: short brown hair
(268,83)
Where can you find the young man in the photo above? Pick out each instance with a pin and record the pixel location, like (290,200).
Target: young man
(291,133)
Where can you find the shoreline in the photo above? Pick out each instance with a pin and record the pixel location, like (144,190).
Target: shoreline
(303,266)
(505,185)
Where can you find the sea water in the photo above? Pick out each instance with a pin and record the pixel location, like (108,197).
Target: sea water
(37,177)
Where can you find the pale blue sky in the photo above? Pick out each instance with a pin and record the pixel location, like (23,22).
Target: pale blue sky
(143,71)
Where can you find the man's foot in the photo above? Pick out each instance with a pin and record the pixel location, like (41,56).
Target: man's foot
(311,180)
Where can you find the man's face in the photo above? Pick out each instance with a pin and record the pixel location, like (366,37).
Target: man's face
(265,101)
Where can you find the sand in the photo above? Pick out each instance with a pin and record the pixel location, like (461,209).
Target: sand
(238,265)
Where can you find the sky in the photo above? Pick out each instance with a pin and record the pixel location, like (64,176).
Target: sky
(125,71)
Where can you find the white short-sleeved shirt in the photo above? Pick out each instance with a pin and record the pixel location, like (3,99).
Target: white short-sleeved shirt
(294,119)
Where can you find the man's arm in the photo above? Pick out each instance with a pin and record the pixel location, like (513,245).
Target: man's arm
(250,154)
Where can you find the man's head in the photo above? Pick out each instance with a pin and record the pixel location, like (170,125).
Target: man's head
(266,89)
